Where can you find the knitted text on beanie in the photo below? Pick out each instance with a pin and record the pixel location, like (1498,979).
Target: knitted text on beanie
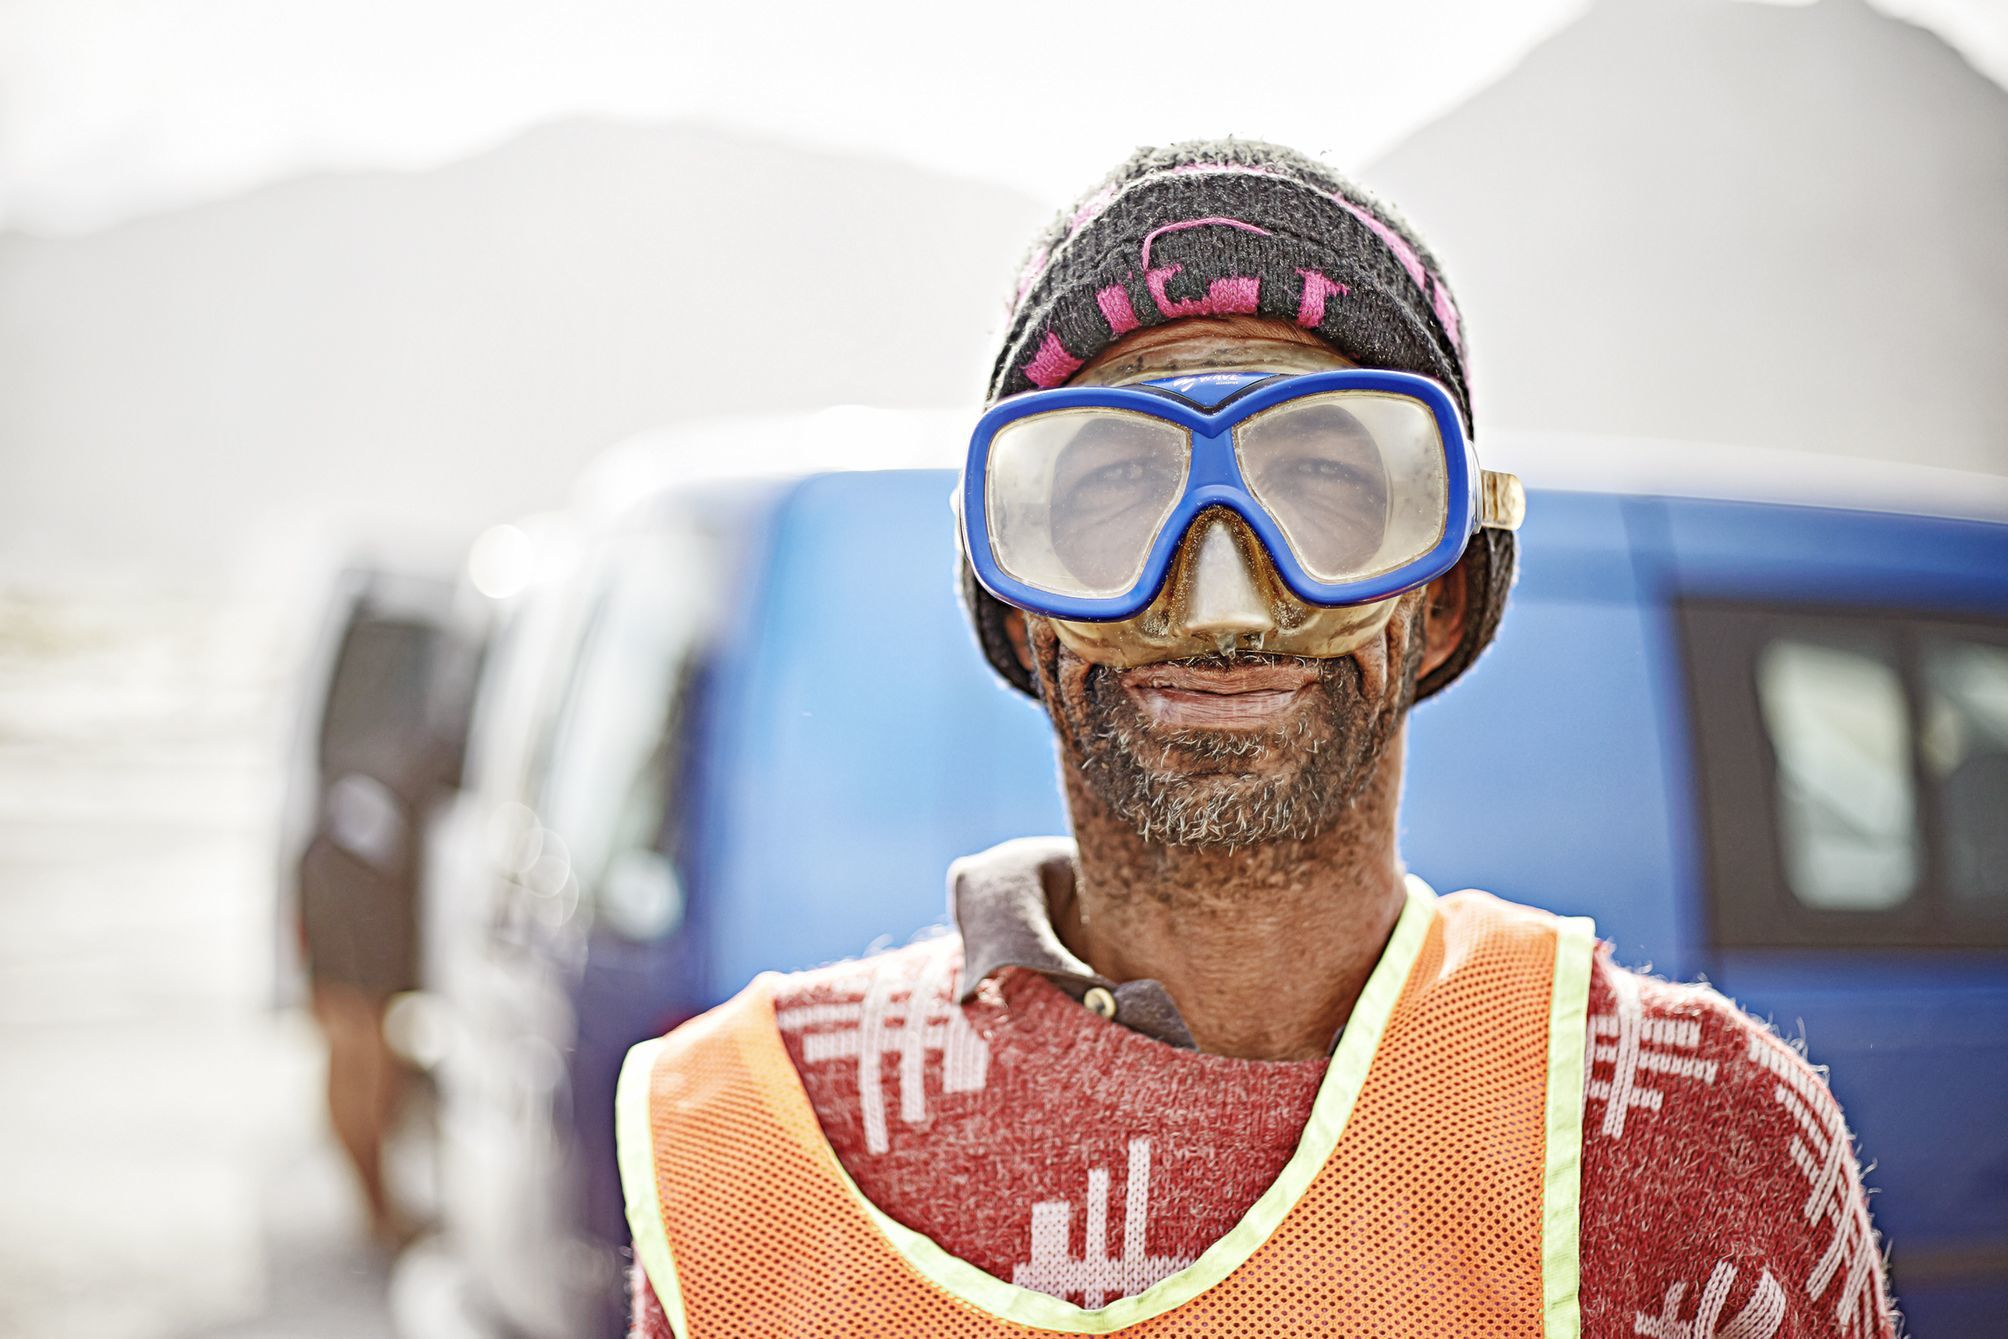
(1224,227)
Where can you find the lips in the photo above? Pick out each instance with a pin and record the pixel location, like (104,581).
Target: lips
(1236,697)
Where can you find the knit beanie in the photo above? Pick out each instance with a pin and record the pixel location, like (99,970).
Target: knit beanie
(1220,227)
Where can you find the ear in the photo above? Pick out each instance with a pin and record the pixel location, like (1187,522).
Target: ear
(1021,640)
(1446,604)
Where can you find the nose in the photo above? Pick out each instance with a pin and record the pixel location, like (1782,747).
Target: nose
(1222,599)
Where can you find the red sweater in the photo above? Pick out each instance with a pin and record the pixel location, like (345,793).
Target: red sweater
(1721,1195)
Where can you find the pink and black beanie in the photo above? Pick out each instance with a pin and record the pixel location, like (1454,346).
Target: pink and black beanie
(1221,227)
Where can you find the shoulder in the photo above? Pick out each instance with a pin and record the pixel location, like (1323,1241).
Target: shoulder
(1660,1047)
(1718,1169)
(896,1001)
(855,995)
(931,964)
(905,1000)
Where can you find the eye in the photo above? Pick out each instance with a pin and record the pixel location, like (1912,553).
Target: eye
(1327,474)
(1124,474)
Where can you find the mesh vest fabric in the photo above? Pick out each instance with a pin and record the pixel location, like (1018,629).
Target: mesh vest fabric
(1434,1193)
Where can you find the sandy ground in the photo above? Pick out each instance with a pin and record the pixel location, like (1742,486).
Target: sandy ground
(162,1148)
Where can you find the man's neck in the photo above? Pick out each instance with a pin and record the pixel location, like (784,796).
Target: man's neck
(1264,948)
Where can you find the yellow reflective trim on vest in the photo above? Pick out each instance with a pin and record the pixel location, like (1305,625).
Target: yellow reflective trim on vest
(1562,1180)
(1337,1095)
(634,1143)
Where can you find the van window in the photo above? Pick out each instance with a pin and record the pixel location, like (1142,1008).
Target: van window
(374,720)
(1839,727)
(606,790)
(1965,741)
(1853,775)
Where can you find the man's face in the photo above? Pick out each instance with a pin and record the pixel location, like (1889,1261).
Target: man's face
(1226,747)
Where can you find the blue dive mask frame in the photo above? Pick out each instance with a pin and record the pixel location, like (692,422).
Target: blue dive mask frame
(1208,406)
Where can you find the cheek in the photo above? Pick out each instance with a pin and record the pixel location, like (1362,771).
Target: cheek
(1373,662)
(1063,674)
(1381,659)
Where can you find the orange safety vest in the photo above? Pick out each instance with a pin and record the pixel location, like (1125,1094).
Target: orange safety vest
(1434,1191)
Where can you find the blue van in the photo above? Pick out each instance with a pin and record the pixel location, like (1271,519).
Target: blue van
(1747,710)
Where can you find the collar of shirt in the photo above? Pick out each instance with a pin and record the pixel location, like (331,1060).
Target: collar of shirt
(1003,902)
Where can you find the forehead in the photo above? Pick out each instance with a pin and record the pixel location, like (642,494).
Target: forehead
(1200,345)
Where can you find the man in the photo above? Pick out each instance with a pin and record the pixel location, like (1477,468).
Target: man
(1217,1066)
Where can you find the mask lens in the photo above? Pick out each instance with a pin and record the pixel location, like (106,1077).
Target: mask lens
(1355,478)
(1074,497)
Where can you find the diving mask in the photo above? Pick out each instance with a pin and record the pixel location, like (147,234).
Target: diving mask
(1221,511)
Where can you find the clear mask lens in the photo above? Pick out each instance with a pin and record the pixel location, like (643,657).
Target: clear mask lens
(1076,496)
(1355,479)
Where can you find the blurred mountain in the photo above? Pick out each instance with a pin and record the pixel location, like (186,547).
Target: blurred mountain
(1742,223)
(1684,218)
(427,353)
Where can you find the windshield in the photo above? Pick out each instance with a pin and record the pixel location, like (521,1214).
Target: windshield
(606,791)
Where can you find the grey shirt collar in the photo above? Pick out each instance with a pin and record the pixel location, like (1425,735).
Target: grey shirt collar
(1003,902)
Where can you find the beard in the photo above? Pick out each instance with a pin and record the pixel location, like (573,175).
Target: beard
(1232,788)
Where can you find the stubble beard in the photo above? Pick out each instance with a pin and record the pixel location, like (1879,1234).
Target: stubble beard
(1223,788)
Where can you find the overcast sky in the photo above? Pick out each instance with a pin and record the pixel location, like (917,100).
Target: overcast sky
(115,108)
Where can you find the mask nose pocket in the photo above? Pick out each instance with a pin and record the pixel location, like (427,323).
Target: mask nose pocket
(1220,598)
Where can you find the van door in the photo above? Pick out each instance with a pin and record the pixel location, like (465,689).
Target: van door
(1846,724)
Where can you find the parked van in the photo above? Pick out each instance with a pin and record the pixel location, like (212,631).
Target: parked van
(1748,710)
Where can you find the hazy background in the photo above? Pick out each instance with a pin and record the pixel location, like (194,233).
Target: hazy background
(276,270)
(279,278)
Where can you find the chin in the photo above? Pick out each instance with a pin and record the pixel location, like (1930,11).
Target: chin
(1291,779)
(1231,812)
(1228,788)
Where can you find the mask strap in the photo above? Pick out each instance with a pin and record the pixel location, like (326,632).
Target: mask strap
(1502,502)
